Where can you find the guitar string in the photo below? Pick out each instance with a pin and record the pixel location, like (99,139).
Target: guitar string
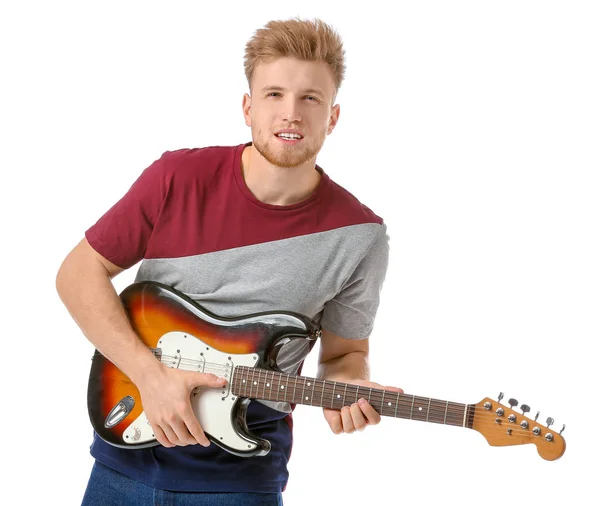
(454,416)
(216,368)
(455,412)
(376,396)
(212,367)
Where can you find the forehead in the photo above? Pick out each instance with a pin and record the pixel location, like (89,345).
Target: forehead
(295,75)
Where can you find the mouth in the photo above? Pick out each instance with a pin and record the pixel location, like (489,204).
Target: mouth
(289,137)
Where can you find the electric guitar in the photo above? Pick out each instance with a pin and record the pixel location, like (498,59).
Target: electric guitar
(244,350)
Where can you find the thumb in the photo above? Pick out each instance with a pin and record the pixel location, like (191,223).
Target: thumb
(394,389)
(208,380)
(334,420)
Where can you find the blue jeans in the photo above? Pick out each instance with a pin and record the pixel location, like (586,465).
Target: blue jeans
(107,487)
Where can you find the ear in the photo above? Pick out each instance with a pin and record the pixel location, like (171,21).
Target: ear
(247,108)
(333,118)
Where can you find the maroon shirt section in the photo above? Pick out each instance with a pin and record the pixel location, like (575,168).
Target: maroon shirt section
(195,201)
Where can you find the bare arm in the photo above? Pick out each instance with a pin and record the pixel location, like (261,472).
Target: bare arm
(85,287)
(347,360)
(343,359)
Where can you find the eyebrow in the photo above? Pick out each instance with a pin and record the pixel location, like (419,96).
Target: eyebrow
(279,88)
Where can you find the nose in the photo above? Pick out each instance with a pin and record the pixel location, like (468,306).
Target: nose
(291,111)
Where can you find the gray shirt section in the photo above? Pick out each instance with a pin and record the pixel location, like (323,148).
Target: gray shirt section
(333,277)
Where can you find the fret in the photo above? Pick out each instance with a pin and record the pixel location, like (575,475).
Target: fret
(235,380)
(446,412)
(428,408)
(254,382)
(249,376)
(312,394)
(457,415)
(412,407)
(261,380)
(370,392)
(284,388)
(333,394)
(322,392)
(294,391)
(397,402)
(422,411)
(266,391)
(302,399)
(244,385)
(344,399)
(266,386)
(271,386)
(382,402)
(438,408)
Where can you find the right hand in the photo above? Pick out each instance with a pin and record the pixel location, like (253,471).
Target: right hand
(166,397)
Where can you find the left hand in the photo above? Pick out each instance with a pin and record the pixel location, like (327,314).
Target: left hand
(358,415)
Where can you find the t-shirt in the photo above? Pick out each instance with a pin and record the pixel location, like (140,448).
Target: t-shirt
(195,225)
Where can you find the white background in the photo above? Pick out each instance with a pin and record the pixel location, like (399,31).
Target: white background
(471,127)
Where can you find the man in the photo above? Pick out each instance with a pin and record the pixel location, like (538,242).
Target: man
(240,229)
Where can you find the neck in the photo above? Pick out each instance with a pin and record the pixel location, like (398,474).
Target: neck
(278,185)
(274,386)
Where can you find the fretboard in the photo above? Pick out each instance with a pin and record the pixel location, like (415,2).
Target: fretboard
(273,386)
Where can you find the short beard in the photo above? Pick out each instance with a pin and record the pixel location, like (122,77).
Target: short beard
(287,157)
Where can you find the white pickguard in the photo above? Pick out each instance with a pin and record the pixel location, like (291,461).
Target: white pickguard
(212,406)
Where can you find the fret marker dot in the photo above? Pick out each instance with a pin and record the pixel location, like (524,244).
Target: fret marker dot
(243,381)
(255,383)
(420,408)
(268,384)
(389,403)
(306,398)
(282,387)
(338,396)
(308,383)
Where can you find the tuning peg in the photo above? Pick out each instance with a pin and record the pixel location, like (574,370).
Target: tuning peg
(500,396)
(536,416)
(513,402)
(525,408)
(549,421)
(563,428)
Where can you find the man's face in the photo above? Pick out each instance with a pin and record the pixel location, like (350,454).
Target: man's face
(290,94)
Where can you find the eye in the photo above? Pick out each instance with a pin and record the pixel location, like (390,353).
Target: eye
(273,93)
(313,99)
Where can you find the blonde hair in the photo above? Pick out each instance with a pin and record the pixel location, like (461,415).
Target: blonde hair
(309,40)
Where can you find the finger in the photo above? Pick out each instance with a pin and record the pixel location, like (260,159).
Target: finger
(347,420)
(208,380)
(161,437)
(193,428)
(334,420)
(184,437)
(394,389)
(358,418)
(170,436)
(368,412)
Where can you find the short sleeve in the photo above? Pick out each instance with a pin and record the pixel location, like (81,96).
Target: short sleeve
(351,313)
(121,235)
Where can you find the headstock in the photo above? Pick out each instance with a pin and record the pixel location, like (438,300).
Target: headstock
(503,426)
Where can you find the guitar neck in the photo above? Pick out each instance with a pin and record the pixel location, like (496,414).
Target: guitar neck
(274,386)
